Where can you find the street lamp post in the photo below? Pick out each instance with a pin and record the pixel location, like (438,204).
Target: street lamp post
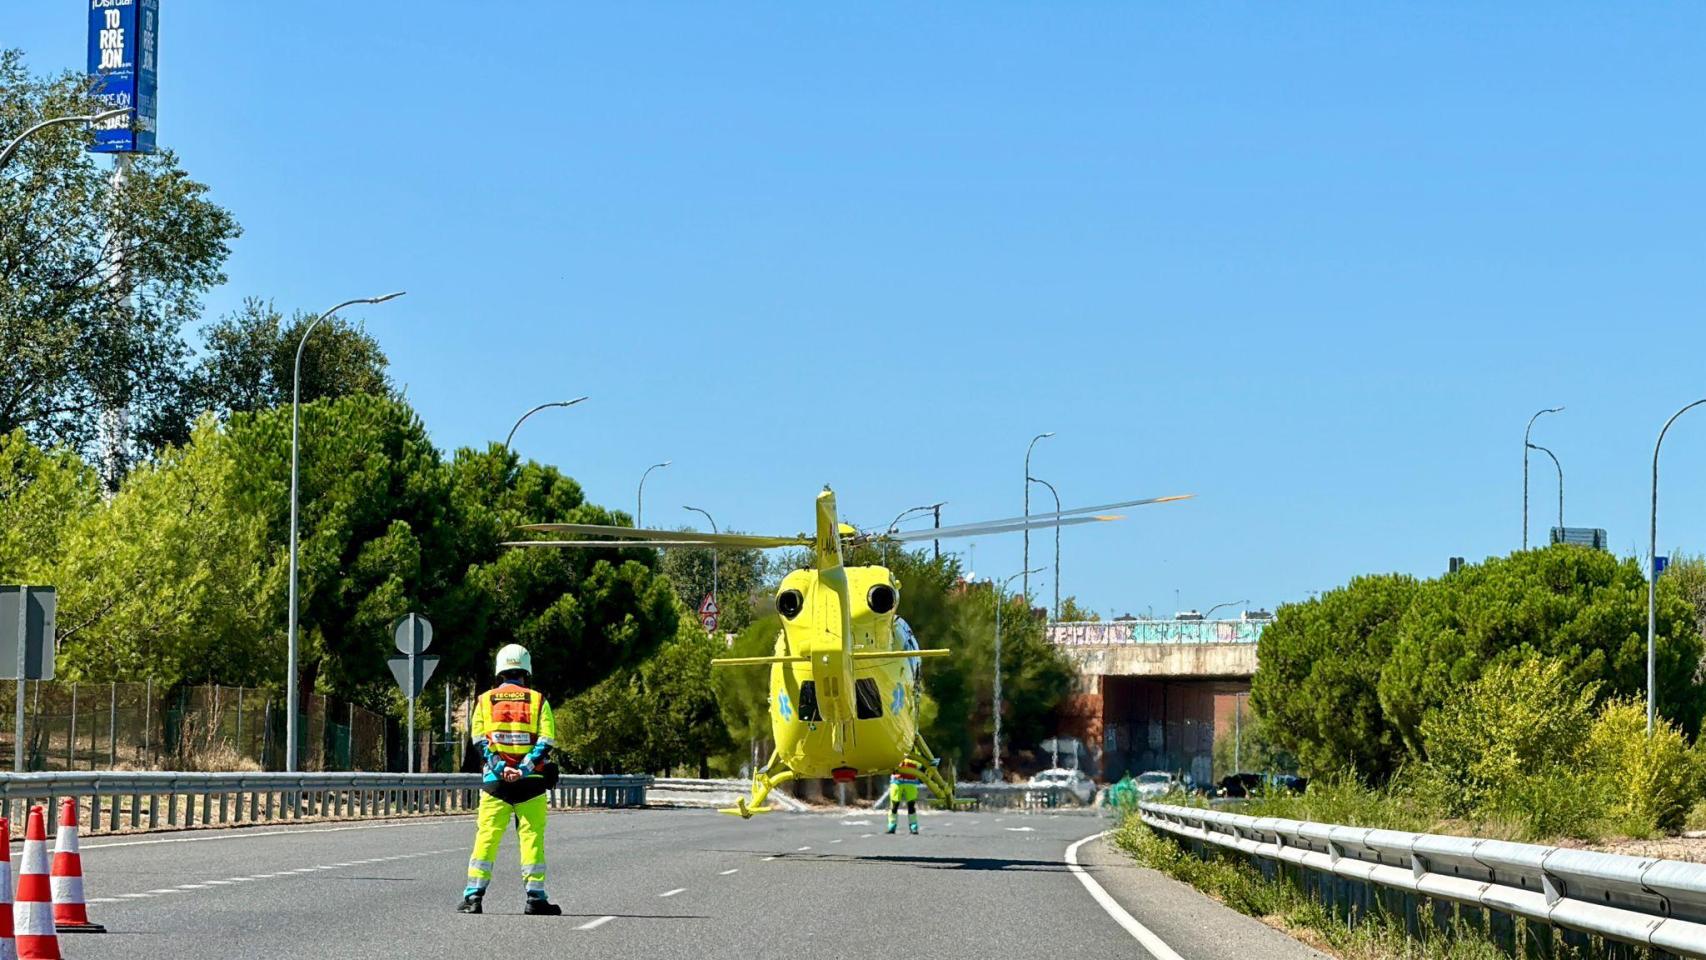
(1525,446)
(640,501)
(1230,603)
(12,148)
(290,693)
(542,406)
(1056,495)
(1560,467)
(1652,570)
(1027,559)
(909,511)
(1000,594)
(713,551)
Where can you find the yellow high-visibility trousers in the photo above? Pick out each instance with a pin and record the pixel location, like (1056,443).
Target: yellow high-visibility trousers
(491,821)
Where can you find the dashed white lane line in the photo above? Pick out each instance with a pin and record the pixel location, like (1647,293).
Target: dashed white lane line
(835,841)
(1143,935)
(595,924)
(229,881)
(866,836)
(251,834)
(671,893)
(1017,829)
(727,872)
(803,849)
(768,859)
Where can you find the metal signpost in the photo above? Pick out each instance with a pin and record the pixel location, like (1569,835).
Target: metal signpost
(413,634)
(26,647)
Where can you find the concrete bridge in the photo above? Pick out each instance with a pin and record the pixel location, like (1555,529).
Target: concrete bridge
(1153,694)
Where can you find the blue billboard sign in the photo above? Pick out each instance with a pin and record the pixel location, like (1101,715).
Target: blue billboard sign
(124,37)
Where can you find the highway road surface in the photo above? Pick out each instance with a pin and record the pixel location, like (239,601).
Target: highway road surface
(658,884)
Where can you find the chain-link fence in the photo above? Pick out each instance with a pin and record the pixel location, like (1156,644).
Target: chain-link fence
(139,726)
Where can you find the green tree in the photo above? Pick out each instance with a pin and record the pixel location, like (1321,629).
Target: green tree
(1250,746)
(1648,782)
(742,580)
(1317,688)
(1072,612)
(76,340)
(1584,608)
(43,496)
(175,579)
(249,356)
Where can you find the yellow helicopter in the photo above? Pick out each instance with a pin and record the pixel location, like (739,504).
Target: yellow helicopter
(844,676)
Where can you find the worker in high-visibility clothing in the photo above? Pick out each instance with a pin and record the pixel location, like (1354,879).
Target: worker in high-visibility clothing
(514,731)
(903,788)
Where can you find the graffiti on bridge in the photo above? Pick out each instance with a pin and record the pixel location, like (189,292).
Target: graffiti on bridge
(1120,632)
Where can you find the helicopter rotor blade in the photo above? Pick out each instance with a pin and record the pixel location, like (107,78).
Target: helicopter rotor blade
(737,540)
(617,544)
(1066,518)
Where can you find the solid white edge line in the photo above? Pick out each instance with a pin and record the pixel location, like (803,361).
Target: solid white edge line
(727,872)
(1143,935)
(242,834)
(671,893)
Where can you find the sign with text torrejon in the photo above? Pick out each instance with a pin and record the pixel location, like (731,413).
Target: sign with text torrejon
(124,39)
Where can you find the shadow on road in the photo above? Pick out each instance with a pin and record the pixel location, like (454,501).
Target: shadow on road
(940,863)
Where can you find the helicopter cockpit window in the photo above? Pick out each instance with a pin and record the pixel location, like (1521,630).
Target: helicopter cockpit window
(808,702)
(867,700)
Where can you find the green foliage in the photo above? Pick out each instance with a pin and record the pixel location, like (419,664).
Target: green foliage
(248,361)
(1317,686)
(1517,723)
(42,496)
(75,340)
(1072,612)
(1251,745)
(742,581)
(1649,783)
(743,693)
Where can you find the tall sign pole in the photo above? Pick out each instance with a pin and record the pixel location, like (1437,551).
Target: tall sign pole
(413,634)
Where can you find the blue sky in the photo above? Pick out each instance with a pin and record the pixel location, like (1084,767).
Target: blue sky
(1315,263)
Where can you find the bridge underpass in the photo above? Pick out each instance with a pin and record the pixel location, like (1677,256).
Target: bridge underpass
(1154,694)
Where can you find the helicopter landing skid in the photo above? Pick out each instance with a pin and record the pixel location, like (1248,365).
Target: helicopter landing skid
(772,776)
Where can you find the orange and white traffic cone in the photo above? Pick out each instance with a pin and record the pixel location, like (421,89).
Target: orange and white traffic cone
(33,913)
(8,944)
(70,915)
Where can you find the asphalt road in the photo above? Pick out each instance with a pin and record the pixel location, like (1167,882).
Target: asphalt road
(655,884)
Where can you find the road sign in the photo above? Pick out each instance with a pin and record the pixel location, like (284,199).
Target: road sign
(412,633)
(424,666)
(26,632)
(708,612)
(1659,564)
(124,38)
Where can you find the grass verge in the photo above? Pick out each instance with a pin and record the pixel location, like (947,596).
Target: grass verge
(1283,906)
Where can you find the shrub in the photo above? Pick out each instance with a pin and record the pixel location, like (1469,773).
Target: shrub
(1647,782)
(1516,724)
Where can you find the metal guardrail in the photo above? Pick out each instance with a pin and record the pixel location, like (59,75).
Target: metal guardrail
(1017,796)
(119,800)
(1654,903)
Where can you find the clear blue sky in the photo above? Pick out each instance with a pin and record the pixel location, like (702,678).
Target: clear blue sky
(1317,265)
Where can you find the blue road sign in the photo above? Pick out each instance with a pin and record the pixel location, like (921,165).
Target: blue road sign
(124,38)
(1659,565)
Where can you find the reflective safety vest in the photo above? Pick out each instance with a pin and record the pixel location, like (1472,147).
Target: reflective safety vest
(907,773)
(511,721)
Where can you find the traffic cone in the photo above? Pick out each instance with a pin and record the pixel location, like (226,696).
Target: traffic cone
(69,913)
(8,945)
(33,913)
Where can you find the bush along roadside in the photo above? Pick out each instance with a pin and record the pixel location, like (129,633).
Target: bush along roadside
(1356,921)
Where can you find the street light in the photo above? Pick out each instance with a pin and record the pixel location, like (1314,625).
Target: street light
(1652,566)
(290,696)
(1230,603)
(1525,446)
(1027,560)
(1000,593)
(12,148)
(542,406)
(640,501)
(1555,463)
(1056,494)
(934,507)
(713,552)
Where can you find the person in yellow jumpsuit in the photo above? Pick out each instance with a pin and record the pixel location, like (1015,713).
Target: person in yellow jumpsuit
(903,788)
(514,730)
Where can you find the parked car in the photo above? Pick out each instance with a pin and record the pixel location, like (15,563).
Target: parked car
(1244,784)
(1074,782)
(1155,783)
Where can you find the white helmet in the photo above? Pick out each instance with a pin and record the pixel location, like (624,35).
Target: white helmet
(514,656)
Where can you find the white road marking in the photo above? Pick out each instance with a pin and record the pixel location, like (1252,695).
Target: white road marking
(1017,829)
(247,834)
(835,841)
(163,890)
(671,893)
(803,849)
(1143,935)
(768,859)
(101,900)
(866,836)
(727,872)
(855,823)
(595,924)
(134,896)
(217,883)
(192,886)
